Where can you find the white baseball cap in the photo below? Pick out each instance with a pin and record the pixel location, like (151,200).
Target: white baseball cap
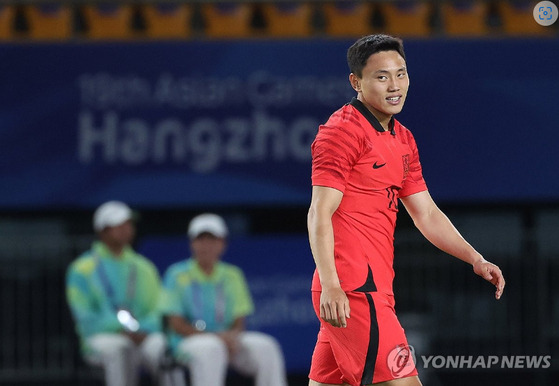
(110,214)
(207,223)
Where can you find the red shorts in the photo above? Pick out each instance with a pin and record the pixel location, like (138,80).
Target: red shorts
(372,348)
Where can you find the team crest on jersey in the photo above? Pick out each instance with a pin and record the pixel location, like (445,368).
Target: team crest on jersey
(406,163)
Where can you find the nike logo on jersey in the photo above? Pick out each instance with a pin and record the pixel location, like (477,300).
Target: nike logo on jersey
(377,166)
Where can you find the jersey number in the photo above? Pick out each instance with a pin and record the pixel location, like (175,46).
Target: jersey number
(392,195)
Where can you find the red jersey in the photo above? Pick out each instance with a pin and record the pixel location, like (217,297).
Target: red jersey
(372,168)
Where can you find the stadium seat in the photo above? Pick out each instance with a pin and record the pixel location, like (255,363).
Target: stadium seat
(227,19)
(288,19)
(406,17)
(7,13)
(348,18)
(517,17)
(49,21)
(108,21)
(167,20)
(465,17)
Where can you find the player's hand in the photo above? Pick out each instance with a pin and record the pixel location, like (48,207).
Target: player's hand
(492,274)
(334,306)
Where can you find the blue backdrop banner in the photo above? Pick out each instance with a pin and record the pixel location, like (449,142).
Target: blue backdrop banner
(230,123)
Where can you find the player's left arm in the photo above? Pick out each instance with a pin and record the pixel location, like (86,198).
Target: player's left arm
(438,229)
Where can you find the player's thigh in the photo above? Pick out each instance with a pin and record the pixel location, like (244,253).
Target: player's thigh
(315,383)
(408,381)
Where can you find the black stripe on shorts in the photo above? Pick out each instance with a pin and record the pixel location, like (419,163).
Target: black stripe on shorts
(371,359)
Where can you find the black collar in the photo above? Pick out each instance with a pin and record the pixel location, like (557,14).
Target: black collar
(370,117)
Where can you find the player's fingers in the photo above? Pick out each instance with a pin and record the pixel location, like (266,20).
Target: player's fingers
(500,285)
(496,278)
(329,314)
(486,274)
(344,314)
(498,293)
(325,313)
(343,321)
(496,275)
(336,315)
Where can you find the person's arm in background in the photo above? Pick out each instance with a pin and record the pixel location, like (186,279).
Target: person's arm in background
(148,304)
(146,308)
(238,294)
(231,335)
(91,315)
(181,326)
(334,305)
(170,306)
(438,229)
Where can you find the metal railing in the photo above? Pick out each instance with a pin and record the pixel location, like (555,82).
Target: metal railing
(37,336)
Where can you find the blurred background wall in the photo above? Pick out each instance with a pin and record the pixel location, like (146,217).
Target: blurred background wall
(182,107)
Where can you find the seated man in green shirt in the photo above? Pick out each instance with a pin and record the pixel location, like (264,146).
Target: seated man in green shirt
(114,294)
(207,305)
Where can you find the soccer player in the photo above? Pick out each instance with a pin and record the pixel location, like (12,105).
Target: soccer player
(363,162)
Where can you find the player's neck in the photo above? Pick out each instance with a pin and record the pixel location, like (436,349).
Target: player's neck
(384,120)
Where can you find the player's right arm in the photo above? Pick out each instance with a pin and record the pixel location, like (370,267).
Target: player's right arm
(334,305)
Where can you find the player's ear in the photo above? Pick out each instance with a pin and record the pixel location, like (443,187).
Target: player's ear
(355,82)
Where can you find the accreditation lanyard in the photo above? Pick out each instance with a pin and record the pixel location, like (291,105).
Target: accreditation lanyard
(109,290)
(198,303)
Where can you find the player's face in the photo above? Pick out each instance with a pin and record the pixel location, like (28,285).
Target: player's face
(384,84)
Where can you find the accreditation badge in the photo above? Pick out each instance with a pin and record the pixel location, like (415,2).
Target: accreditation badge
(127,320)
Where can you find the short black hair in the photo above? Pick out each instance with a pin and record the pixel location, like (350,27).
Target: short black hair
(362,49)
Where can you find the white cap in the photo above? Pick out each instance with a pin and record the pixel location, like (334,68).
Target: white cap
(207,223)
(111,214)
